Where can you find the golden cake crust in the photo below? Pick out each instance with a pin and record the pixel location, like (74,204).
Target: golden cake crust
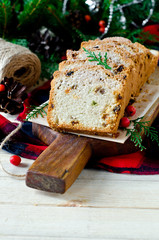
(86,97)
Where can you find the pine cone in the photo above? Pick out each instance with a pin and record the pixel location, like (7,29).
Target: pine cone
(45,42)
(12,98)
(76,18)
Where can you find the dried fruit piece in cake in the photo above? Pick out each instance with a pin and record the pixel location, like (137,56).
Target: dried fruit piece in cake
(85,97)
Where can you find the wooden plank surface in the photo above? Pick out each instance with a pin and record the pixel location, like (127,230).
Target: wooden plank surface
(56,169)
(52,180)
(99,205)
(100,223)
(93,189)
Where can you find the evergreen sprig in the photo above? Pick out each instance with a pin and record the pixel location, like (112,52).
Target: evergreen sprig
(135,132)
(92,55)
(48,66)
(36,110)
(5,16)
(31,11)
(19,19)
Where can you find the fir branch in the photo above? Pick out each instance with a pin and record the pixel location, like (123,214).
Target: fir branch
(135,137)
(32,8)
(98,59)
(48,66)
(5,16)
(135,132)
(105,8)
(22,42)
(36,110)
(82,36)
(51,10)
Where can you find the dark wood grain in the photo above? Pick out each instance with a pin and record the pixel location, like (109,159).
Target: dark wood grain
(100,148)
(59,165)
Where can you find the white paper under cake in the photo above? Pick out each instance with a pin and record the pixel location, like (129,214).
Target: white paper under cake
(148,96)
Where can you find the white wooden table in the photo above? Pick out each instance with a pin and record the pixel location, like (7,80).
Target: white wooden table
(99,205)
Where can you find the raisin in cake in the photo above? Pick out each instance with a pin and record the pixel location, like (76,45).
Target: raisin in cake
(88,98)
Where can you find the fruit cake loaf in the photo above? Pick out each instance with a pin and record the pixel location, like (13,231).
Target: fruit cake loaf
(90,99)
(135,51)
(118,60)
(87,99)
(115,58)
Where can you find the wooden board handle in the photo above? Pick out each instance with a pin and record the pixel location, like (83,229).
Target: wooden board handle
(100,148)
(60,164)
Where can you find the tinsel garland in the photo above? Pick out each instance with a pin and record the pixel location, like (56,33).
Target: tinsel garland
(119,7)
(126,18)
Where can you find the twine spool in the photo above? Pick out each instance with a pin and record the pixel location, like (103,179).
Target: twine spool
(19,62)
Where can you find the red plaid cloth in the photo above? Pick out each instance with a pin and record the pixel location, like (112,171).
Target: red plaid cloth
(25,144)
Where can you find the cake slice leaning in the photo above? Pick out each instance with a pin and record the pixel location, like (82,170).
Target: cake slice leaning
(144,61)
(89,100)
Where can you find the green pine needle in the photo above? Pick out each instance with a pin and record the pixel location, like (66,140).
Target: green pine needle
(98,59)
(140,126)
(36,110)
(136,138)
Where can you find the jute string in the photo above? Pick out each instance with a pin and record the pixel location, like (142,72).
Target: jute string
(19,62)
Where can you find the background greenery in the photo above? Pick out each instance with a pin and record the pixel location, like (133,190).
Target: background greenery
(21,22)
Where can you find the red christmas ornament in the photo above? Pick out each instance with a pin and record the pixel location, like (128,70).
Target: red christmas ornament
(102,29)
(152,30)
(124,122)
(87,18)
(2,88)
(130,110)
(101,23)
(15,160)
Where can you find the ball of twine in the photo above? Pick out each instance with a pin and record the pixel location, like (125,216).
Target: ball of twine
(19,62)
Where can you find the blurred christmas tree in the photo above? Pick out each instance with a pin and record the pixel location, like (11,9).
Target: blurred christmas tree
(50,27)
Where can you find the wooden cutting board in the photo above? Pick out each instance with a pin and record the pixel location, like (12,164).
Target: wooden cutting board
(59,165)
